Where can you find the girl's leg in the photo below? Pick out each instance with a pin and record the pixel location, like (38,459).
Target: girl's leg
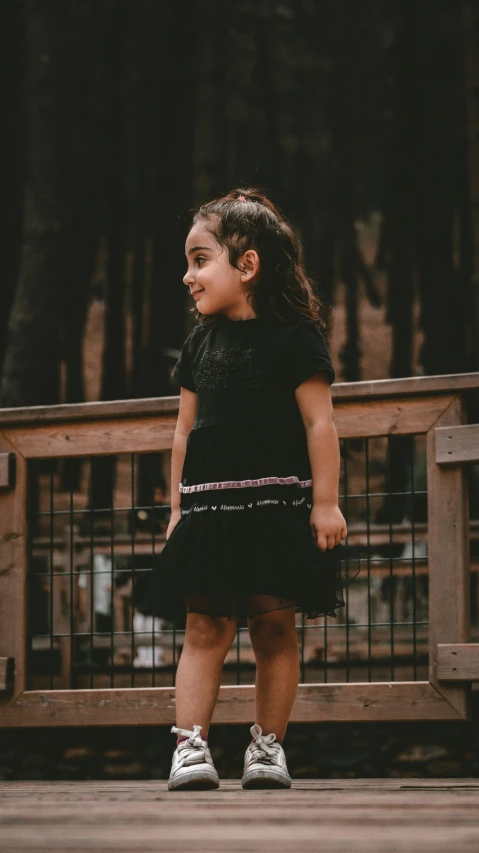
(207,641)
(273,637)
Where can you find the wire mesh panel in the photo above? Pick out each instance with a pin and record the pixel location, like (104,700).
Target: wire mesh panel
(385,501)
(98,524)
(381,633)
(92,545)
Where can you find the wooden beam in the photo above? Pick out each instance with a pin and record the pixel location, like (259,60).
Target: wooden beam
(152,433)
(458,662)
(93,438)
(457,444)
(7,668)
(416,700)
(448,557)
(414,386)
(388,417)
(96,410)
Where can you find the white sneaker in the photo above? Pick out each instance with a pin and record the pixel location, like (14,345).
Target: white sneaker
(265,762)
(192,766)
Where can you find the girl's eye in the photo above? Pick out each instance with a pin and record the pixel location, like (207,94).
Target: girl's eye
(199,259)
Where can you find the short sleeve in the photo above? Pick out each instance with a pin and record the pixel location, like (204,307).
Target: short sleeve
(182,373)
(308,354)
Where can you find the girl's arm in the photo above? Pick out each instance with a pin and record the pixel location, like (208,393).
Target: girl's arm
(314,402)
(186,417)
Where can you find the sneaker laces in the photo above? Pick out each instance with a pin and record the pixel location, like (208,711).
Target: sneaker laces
(194,737)
(265,747)
(191,751)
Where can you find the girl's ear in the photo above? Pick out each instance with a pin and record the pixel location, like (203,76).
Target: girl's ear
(249,265)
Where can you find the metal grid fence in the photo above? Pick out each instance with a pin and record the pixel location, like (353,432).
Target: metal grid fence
(90,552)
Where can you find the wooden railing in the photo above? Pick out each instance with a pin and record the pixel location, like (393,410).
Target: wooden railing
(429,406)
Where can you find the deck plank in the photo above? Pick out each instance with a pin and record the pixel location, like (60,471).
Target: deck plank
(375,815)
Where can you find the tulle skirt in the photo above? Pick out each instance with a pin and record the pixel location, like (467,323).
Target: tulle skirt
(244,544)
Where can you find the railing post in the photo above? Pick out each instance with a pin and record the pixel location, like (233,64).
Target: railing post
(448,557)
(13,567)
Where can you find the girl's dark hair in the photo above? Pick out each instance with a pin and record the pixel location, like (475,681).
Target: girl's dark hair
(283,287)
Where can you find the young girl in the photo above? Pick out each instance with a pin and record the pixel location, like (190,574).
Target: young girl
(255,527)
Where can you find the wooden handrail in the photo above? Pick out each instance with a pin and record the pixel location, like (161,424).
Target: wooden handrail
(342,391)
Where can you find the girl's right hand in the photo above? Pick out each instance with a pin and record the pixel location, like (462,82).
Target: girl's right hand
(174,519)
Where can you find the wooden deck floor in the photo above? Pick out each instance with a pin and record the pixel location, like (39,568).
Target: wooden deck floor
(378,816)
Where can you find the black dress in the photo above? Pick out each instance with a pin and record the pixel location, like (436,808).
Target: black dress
(243,544)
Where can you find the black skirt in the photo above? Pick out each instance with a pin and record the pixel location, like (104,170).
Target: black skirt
(243,544)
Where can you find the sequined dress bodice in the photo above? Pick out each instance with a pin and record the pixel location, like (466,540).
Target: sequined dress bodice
(246,371)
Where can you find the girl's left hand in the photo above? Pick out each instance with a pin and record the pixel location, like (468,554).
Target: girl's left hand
(327,525)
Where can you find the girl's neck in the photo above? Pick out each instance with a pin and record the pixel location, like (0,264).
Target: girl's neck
(239,319)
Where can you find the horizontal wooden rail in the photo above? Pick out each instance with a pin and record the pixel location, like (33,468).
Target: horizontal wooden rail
(374,701)
(94,438)
(341,391)
(458,444)
(150,433)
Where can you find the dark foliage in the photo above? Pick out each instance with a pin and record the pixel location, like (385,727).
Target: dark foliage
(127,115)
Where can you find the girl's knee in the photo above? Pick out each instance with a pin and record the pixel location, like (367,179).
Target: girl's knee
(207,632)
(273,632)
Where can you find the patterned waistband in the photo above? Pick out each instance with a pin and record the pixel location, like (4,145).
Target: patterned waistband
(243,484)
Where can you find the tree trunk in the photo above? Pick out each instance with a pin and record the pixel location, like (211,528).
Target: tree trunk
(470,177)
(173,183)
(31,366)
(12,161)
(114,355)
(268,167)
(469,211)
(113,383)
(401,201)
(351,352)
(83,246)
(436,34)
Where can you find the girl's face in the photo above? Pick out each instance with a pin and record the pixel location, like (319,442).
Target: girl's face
(216,286)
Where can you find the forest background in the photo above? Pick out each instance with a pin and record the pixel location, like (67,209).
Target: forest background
(359,117)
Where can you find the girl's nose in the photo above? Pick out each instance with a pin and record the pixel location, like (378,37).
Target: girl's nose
(188,278)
